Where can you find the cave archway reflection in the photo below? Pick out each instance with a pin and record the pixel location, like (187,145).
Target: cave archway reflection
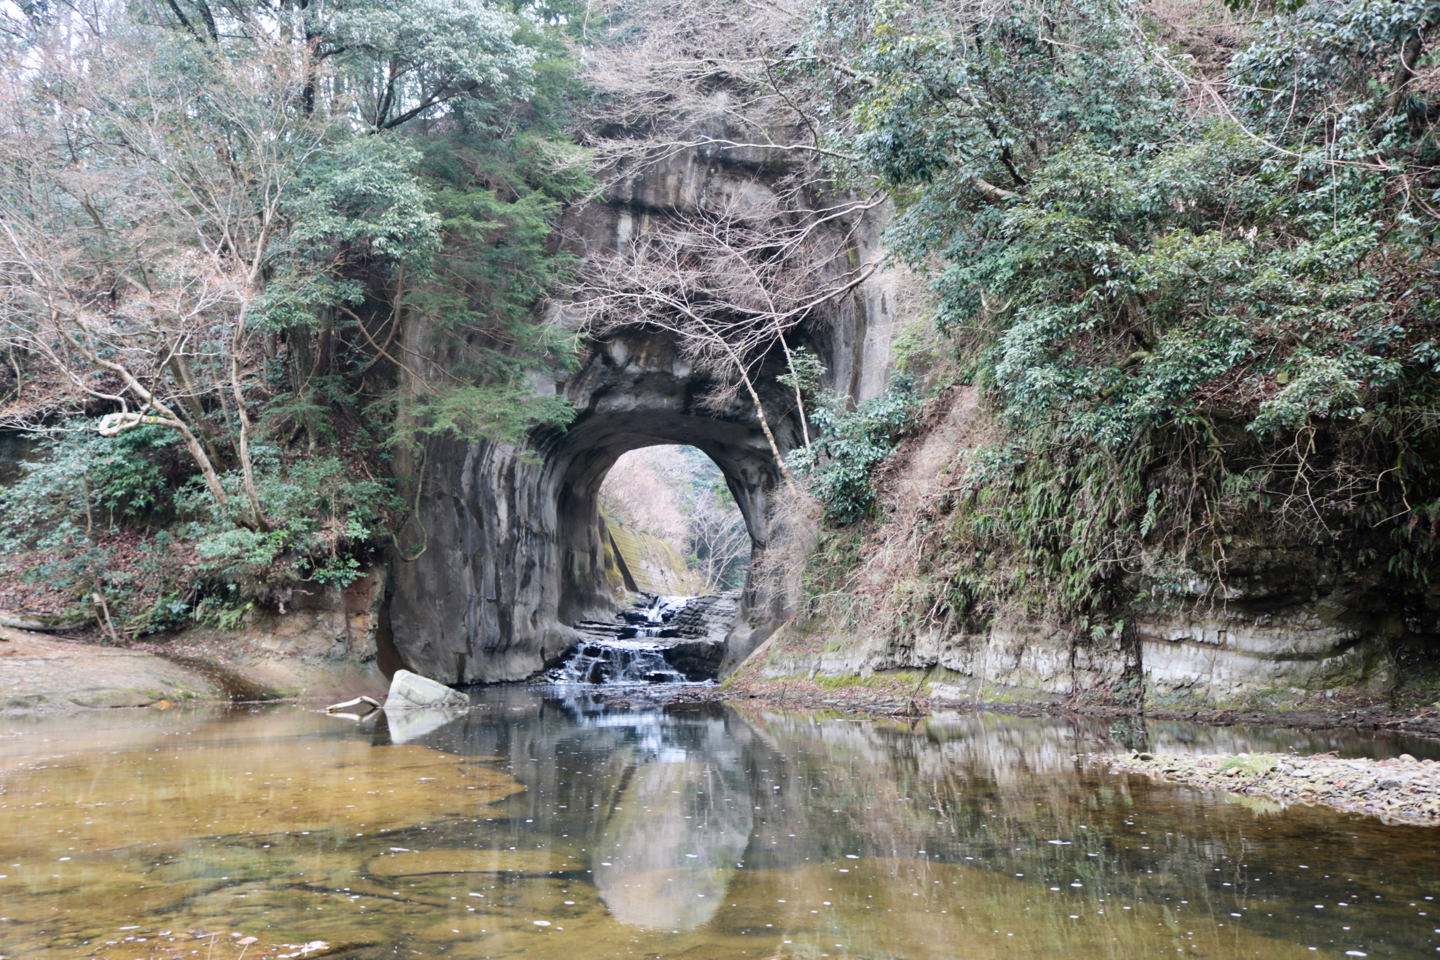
(677,829)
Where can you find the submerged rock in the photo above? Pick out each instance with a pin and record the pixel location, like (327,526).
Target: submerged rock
(410,690)
(1398,790)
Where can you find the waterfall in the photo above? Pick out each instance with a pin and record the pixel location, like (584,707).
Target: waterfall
(634,654)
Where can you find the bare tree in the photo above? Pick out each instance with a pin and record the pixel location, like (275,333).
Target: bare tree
(143,206)
(732,285)
(645,490)
(719,540)
(732,270)
(673,76)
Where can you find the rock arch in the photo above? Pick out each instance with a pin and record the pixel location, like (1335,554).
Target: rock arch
(659,412)
(509,551)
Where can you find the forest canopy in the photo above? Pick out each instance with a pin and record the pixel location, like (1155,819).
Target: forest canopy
(217,218)
(1186,249)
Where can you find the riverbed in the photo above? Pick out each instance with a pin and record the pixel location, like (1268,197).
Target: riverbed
(542,826)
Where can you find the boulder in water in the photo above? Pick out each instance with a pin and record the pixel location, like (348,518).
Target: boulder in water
(410,690)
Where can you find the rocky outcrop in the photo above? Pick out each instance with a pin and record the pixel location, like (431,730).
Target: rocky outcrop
(1199,658)
(505,551)
(1289,619)
(707,618)
(323,622)
(700,630)
(36,624)
(1225,656)
(43,674)
(696,659)
(410,691)
(39,673)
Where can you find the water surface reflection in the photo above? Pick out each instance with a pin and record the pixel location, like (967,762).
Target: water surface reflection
(542,827)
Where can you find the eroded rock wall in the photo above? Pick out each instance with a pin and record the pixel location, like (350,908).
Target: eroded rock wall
(1184,658)
(505,552)
(1289,621)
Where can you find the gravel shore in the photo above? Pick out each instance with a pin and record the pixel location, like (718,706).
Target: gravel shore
(1398,790)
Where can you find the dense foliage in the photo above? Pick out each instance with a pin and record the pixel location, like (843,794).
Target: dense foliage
(1199,290)
(218,222)
(1203,298)
(849,445)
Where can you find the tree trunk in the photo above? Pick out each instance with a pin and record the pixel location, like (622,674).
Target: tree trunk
(191,399)
(247,471)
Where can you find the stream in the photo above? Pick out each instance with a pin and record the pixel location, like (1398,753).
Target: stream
(547,824)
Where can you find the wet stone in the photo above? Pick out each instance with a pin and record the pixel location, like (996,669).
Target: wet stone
(410,690)
(662,640)
(1398,790)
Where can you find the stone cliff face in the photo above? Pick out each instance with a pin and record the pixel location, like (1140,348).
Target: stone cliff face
(640,563)
(1290,619)
(1197,657)
(507,550)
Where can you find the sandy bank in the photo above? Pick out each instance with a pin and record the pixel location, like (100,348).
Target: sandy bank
(42,673)
(1398,790)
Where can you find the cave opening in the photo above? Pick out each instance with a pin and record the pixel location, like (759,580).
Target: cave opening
(676,553)
(591,449)
(661,545)
(515,562)
(673,525)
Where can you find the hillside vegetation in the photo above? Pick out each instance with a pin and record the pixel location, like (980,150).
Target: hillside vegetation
(1188,255)
(1182,261)
(215,221)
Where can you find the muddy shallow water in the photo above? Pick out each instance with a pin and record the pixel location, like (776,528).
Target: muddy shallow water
(537,827)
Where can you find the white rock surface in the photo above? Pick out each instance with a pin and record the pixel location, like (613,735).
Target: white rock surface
(410,690)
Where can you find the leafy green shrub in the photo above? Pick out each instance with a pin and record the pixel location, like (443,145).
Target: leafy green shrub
(133,473)
(1195,326)
(79,483)
(847,447)
(324,515)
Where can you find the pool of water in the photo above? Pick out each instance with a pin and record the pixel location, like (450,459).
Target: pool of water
(542,827)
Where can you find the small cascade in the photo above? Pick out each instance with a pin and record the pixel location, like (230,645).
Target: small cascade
(653,620)
(616,661)
(635,649)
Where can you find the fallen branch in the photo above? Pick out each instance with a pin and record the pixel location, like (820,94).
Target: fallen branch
(371,702)
(13,622)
